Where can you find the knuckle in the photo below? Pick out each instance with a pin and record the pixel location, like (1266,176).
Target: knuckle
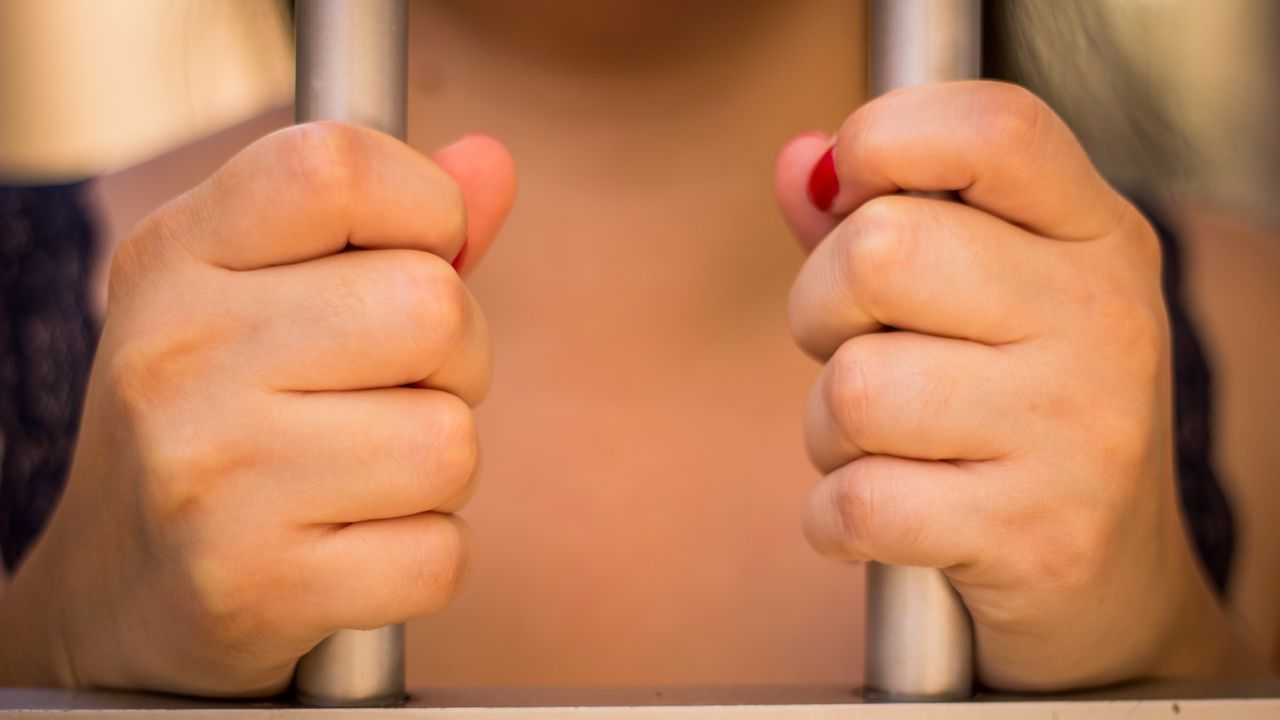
(449,303)
(429,298)
(443,561)
(855,500)
(1058,545)
(455,444)
(876,225)
(1127,309)
(848,394)
(1137,243)
(804,322)
(1147,330)
(146,370)
(184,465)
(153,371)
(182,453)
(226,606)
(146,252)
(876,522)
(880,247)
(1135,330)
(453,210)
(131,261)
(464,494)
(325,159)
(1120,440)
(1150,254)
(1011,117)
(856,137)
(131,373)
(1069,559)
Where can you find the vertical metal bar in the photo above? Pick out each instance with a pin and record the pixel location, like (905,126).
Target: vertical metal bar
(916,42)
(352,64)
(919,634)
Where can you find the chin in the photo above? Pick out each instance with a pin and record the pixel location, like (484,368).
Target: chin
(597,25)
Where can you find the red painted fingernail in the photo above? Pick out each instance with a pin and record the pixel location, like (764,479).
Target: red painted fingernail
(460,258)
(823,183)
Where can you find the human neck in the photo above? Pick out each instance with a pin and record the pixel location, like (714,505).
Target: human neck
(651,179)
(579,74)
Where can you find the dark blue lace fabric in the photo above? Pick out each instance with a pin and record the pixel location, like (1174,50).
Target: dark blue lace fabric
(47,340)
(1204,503)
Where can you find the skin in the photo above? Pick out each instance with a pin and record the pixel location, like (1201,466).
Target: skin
(964,440)
(633,451)
(182,474)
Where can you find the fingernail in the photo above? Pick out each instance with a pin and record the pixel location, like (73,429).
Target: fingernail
(823,183)
(460,258)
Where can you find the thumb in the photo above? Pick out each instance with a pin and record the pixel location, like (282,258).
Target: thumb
(486,172)
(791,179)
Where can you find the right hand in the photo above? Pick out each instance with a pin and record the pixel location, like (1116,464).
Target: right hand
(276,431)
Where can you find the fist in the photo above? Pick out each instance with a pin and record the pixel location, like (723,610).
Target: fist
(995,399)
(276,431)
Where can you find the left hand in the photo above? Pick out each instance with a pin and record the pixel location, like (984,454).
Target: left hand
(1015,427)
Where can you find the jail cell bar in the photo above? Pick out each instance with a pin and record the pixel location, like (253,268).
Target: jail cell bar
(352,66)
(919,635)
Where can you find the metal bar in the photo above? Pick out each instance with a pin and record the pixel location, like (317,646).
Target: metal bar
(353,668)
(352,65)
(919,634)
(353,62)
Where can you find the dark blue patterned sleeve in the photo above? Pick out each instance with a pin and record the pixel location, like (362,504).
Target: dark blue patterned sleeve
(47,339)
(1204,502)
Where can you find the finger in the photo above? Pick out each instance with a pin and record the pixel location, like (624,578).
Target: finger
(790,182)
(485,171)
(344,457)
(311,190)
(898,511)
(360,320)
(914,396)
(932,266)
(382,572)
(996,144)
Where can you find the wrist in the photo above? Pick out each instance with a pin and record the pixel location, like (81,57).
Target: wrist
(33,652)
(1208,641)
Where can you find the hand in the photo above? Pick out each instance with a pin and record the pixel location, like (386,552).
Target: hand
(276,431)
(996,394)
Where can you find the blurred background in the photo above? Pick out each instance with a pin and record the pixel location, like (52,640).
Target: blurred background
(88,87)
